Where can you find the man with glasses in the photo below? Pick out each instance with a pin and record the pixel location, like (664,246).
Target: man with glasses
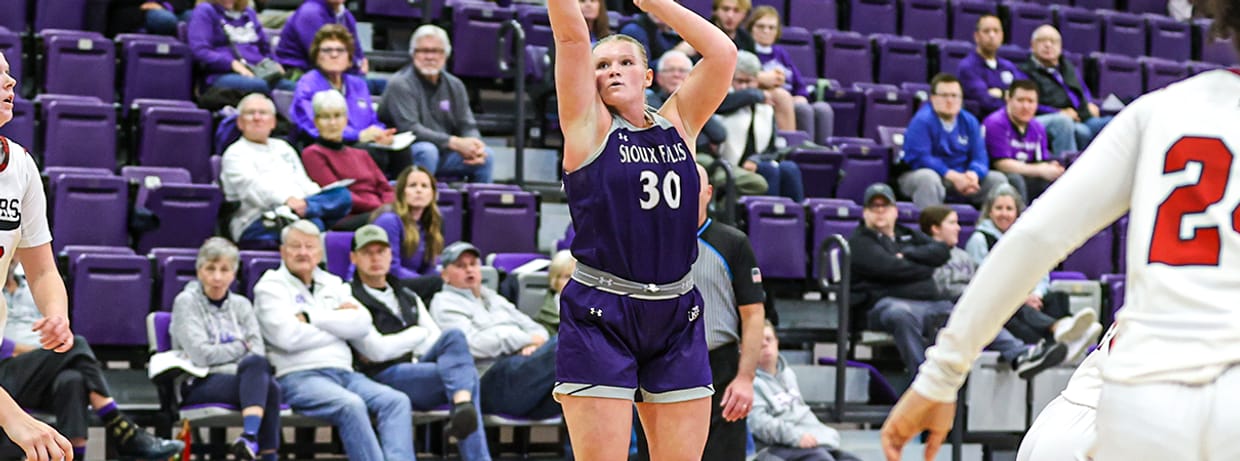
(945,149)
(265,177)
(433,104)
(1062,93)
(893,279)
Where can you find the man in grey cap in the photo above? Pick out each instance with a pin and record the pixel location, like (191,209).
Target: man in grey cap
(407,350)
(893,282)
(512,350)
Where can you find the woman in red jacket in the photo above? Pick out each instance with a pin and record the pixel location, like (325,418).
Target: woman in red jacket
(329,160)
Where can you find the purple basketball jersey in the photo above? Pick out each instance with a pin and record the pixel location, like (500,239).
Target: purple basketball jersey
(634,204)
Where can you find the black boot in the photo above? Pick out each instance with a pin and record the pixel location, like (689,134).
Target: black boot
(463,420)
(134,443)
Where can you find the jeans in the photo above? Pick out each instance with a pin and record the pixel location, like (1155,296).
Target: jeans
(346,399)
(251,84)
(253,385)
(429,156)
(1085,131)
(1062,132)
(520,386)
(430,382)
(910,322)
(323,209)
(782,179)
(163,22)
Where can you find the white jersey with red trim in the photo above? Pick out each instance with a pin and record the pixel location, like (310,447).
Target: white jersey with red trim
(1169,160)
(23,208)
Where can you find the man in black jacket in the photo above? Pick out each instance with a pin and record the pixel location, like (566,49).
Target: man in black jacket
(1061,87)
(893,277)
(406,349)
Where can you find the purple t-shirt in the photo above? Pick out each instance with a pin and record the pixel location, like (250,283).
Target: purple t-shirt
(1005,140)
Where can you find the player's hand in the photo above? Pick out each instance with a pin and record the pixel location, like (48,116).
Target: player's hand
(913,414)
(737,399)
(807,441)
(38,440)
(54,333)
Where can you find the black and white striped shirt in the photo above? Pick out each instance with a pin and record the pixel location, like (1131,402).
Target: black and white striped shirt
(726,273)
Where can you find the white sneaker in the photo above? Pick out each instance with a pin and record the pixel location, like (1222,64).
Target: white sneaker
(283,211)
(1077,348)
(1069,329)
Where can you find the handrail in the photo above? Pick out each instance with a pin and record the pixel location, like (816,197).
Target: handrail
(834,250)
(516,70)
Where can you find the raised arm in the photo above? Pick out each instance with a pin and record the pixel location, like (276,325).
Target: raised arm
(706,84)
(581,108)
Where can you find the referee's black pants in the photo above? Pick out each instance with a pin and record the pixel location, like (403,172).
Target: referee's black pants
(726,441)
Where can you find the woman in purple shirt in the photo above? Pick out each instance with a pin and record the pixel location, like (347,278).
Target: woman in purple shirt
(219,31)
(413,224)
(779,71)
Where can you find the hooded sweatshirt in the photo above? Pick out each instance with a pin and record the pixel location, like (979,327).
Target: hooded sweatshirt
(978,247)
(780,415)
(215,336)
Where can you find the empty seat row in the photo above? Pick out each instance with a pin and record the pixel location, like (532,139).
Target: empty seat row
(85,63)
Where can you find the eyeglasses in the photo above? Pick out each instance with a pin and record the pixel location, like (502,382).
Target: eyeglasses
(331,51)
(879,206)
(675,70)
(428,51)
(766,27)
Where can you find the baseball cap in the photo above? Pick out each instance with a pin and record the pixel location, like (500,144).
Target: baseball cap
(879,189)
(369,234)
(454,251)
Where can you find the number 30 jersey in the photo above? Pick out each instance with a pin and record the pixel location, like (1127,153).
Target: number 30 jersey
(1171,160)
(634,203)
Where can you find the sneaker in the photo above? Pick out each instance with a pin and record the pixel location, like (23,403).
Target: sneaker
(244,448)
(141,445)
(1038,358)
(286,214)
(270,220)
(1077,347)
(1069,329)
(463,420)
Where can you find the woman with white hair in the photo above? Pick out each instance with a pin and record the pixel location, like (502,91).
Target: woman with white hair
(218,330)
(751,134)
(329,160)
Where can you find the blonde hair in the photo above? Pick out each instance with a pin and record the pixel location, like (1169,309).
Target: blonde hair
(641,49)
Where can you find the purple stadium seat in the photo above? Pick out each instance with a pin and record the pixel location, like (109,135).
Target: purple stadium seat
(793,138)
(779,5)
(1016,54)
(509,261)
(254,264)
(537,24)
(842,140)
(111,296)
(174,272)
(566,241)
(1114,284)
(1094,257)
(777,230)
(336,251)
(872,16)
(1022,19)
(867,86)
(907,214)
(11,46)
(885,108)
(1147,6)
(1168,38)
(1197,67)
(1161,72)
(1095,4)
(964,15)
(71,252)
(400,9)
(893,137)
(53,173)
(1209,50)
(923,19)
(1116,74)
(158,326)
(15,18)
(813,14)
(21,127)
(967,216)
(187,215)
(78,131)
(919,91)
(820,169)
(863,165)
(59,14)
(176,137)
(503,221)
(899,59)
(848,104)
(155,67)
(470,187)
(152,177)
(82,64)
(945,55)
(1081,29)
(829,217)
(799,43)
(1123,33)
(480,22)
(1121,244)
(846,57)
(89,210)
(701,7)
(451,205)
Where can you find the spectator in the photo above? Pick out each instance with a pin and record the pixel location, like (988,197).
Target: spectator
(729,15)
(984,75)
(63,383)
(332,52)
(945,149)
(1061,90)
(307,332)
(558,272)
(784,426)
(408,351)
(413,219)
(1017,143)
(329,160)
(219,31)
(1045,314)
(657,37)
(218,330)
(943,225)
(265,176)
(434,104)
(781,75)
(153,17)
(595,12)
(751,135)
(673,66)
(296,43)
(893,278)
(516,358)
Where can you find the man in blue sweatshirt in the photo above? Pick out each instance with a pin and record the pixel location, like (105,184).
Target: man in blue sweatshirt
(945,150)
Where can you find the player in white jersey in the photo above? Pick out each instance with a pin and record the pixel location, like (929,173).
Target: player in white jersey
(1064,430)
(1168,160)
(24,233)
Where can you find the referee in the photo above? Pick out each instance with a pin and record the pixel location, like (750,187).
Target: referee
(727,275)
